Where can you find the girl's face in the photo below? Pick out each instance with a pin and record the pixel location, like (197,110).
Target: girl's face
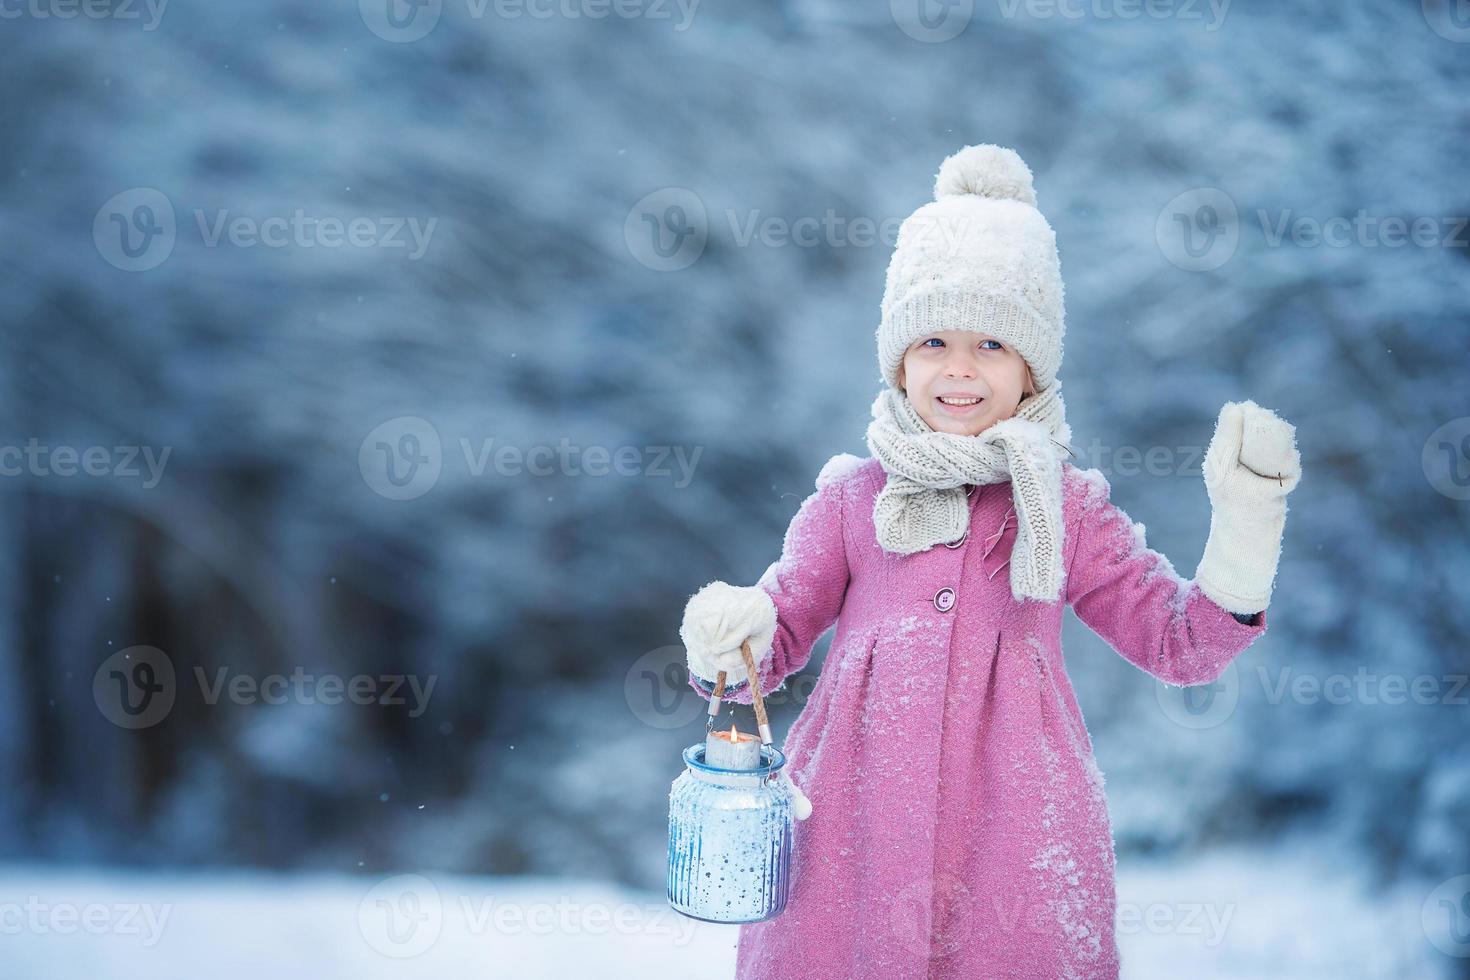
(944,373)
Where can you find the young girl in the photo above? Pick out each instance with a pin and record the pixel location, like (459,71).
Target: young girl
(958,824)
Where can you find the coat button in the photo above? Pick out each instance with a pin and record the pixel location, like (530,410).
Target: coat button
(944,599)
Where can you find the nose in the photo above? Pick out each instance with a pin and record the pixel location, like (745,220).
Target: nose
(959,364)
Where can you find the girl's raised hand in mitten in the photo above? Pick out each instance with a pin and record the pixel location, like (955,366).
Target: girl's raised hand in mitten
(1251,465)
(718,618)
(1252,456)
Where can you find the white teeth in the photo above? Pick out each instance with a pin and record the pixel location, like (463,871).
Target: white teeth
(960,401)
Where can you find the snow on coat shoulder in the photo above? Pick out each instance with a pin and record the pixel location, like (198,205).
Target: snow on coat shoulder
(839,467)
(1089,509)
(1088,486)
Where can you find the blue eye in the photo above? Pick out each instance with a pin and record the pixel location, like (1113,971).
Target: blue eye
(940,343)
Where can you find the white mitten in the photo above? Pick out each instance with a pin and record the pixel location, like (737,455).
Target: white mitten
(718,618)
(1250,467)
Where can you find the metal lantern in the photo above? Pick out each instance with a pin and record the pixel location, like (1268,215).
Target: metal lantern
(730,835)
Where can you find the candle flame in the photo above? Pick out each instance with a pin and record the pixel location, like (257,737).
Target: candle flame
(734,735)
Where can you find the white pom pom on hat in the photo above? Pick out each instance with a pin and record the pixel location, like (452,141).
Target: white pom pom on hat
(986,170)
(979,257)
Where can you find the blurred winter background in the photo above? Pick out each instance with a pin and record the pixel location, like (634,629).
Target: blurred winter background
(379,380)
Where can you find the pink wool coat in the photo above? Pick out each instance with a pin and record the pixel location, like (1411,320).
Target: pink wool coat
(959,826)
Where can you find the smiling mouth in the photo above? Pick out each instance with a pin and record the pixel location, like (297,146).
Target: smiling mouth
(960,404)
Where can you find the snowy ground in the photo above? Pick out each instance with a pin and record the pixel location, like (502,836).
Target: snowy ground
(1247,914)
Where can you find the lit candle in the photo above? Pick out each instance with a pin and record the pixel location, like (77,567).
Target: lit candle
(732,750)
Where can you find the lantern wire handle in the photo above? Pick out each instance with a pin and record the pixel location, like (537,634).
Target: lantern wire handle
(802,806)
(714,703)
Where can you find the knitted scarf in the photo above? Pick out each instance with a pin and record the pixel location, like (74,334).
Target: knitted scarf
(924,502)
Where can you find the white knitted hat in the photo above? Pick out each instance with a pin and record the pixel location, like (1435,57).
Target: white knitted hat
(979,257)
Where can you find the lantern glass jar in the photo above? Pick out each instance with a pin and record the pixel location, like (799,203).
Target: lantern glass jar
(730,837)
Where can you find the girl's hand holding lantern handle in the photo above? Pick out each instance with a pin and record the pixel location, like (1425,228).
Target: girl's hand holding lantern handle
(717,619)
(1251,465)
